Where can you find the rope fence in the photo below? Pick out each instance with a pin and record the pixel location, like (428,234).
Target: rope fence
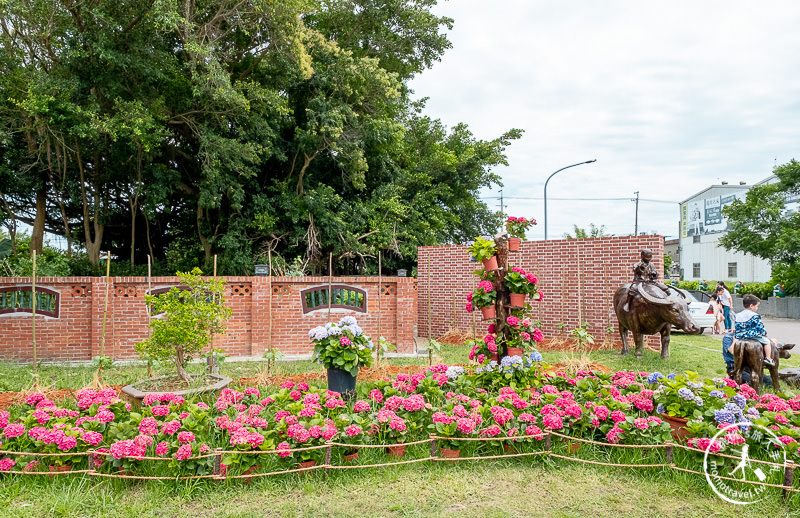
(433,456)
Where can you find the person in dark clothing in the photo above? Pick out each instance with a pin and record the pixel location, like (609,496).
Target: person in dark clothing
(727,357)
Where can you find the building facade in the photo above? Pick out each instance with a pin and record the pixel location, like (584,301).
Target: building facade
(702,224)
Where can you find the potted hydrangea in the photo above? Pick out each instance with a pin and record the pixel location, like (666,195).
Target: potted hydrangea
(484,251)
(520,284)
(483,298)
(516,228)
(341,348)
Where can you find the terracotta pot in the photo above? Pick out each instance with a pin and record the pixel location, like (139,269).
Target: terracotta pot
(490,264)
(495,357)
(450,454)
(307,464)
(251,469)
(396,451)
(575,446)
(678,425)
(506,447)
(351,457)
(489,313)
(517,299)
(513,244)
(515,351)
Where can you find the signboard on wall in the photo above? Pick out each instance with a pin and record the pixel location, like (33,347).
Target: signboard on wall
(704,215)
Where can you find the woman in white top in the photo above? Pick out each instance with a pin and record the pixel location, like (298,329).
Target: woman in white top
(727,301)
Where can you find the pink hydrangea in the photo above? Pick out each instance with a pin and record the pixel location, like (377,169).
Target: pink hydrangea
(4,417)
(329,431)
(361,406)
(287,385)
(302,386)
(282,447)
(513,321)
(785,439)
(614,435)
(734,438)
(93,438)
(549,389)
(352,430)
(148,426)
(143,441)
(295,394)
(170,427)
(162,448)
(105,416)
(641,423)
(535,431)
(7,463)
(185,437)
(35,398)
(441,417)
(67,442)
(618,416)
(491,431)
(394,403)
(413,403)
(184,452)
(552,421)
(14,430)
(252,391)
(308,412)
(465,425)
(780,418)
(160,410)
(345,341)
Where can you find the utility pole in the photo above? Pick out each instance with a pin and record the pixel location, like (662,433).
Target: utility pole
(502,207)
(636,219)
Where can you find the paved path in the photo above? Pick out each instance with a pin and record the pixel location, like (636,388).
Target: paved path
(786,330)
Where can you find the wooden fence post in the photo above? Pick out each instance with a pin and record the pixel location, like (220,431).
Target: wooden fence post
(668,452)
(788,477)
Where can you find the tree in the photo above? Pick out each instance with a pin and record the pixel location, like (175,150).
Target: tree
(580,233)
(188,319)
(761,225)
(667,264)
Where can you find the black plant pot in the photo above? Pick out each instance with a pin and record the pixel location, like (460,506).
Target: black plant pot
(341,381)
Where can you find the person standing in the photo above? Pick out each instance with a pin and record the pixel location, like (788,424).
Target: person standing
(727,302)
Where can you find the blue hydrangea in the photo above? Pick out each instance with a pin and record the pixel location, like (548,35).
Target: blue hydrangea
(671,376)
(348,321)
(740,400)
(685,393)
(717,394)
(536,356)
(510,361)
(724,416)
(355,329)
(694,385)
(370,345)
(454,372)
(661,408)
(719,383)
(654,377)
(698,401)
(753,413)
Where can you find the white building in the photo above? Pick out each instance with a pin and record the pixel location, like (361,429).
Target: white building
(702,225)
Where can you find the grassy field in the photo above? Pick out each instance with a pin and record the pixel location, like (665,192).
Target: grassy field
(533,486)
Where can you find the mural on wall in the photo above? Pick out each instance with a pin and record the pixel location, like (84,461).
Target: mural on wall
(704,215)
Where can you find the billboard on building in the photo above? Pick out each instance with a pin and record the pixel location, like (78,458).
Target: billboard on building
(704,215)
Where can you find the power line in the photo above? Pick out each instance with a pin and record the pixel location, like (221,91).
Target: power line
(575,199)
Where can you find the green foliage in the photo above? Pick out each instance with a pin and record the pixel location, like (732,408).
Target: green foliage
(582,336)
(342,346)
(5,248)
(235,128)
(516,227)
(667,263)
(482,249)
(186,319)
(761,226)
(581,233)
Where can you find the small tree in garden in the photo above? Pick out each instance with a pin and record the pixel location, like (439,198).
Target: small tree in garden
(185,320)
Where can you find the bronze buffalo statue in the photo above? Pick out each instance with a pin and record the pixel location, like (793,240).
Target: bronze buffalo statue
(650,311)
(750,353)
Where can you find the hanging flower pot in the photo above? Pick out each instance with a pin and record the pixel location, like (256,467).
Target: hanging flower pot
(450,454)
(517,299)
(341,381)
(396,451)
(513,244)
(490,264)
(515,351)
(489,313)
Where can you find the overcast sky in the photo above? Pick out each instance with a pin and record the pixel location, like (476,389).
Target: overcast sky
(669,97)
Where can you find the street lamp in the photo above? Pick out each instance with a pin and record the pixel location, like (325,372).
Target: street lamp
(545,190)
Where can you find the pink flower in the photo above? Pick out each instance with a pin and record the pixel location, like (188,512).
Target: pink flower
(481,358)
(465,425)
(184,452)
(492,346)
(553,421)
(352,430)
(4,417)
(345,341)
(252,391)
(14,430)
(535,431)
(780,418)
(376,395)
(469,308)
(735,438)
(512,321)
(618,416)
(160,410)
(143,441)
(183,415)
(308,412)
(284,446)
(525,336)
(302,386)
(486,286)
(67,442)
(288,385)
(295,394)
(35,398)
(204,448)
(601,411)
(162,448)
(537,333)
(185,437)
(531,278)
(148,426)
(7,463)
(469,297)
(614,435)
(93,438)
(490,329)
(641,423)
(785,439)
(170,427)
(492,431)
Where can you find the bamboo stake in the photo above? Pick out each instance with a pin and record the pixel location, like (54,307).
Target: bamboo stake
(149,313)
(330,284)
(105,306)
(378,350)
(430,333)
(269,312)
(33,323)
(211,342)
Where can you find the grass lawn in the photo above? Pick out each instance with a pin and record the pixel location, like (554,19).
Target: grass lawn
(531,486)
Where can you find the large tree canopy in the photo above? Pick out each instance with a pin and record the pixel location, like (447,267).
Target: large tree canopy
(761,225)
(280,128)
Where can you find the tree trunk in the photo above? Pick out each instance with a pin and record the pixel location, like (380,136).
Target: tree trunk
(502,330)
(92,244)
(179,361)
(37,235)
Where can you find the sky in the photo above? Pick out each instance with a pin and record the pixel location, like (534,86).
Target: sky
(668,97)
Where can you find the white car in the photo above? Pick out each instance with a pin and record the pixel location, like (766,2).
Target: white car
(697,310)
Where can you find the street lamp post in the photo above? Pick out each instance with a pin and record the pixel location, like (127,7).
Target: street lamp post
(545,190)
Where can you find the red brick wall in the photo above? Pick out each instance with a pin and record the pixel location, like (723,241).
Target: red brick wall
(265,311)
(577,277)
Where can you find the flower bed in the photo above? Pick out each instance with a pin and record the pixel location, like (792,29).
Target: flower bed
(171,436)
